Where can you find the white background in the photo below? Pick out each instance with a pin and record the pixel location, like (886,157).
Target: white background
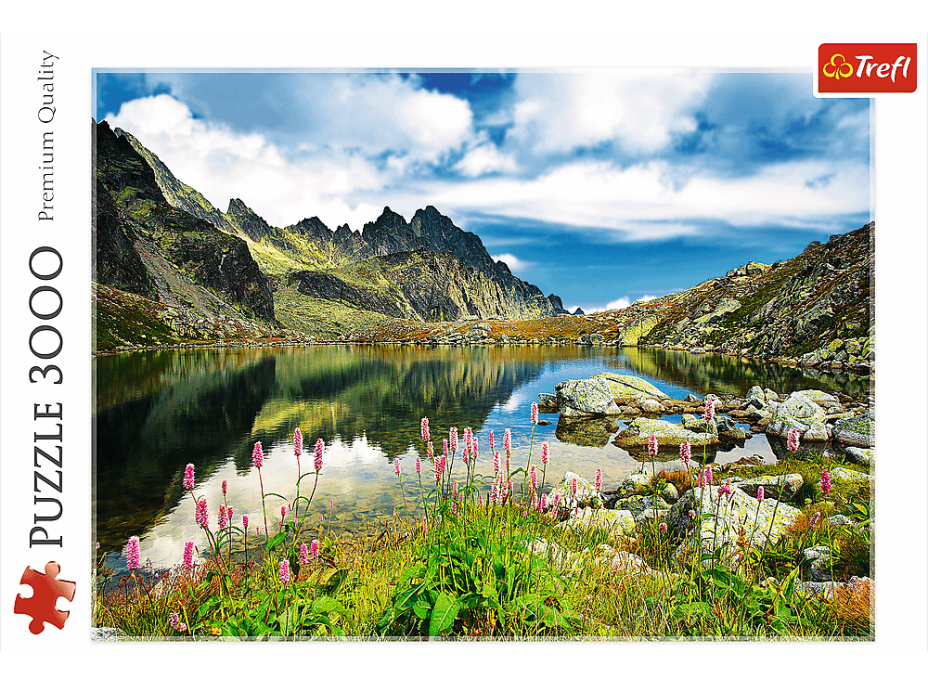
(477,34)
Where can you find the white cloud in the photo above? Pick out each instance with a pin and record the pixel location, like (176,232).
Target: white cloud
(485,159)
(513,262)
(641,110)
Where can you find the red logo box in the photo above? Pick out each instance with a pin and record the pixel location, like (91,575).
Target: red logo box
(867,67)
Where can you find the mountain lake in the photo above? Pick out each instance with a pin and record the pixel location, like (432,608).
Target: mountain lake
(155,412)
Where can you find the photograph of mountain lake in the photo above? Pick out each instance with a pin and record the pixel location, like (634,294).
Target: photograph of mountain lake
(482,356)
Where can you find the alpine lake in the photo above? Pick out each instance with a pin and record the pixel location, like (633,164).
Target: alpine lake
(157,411)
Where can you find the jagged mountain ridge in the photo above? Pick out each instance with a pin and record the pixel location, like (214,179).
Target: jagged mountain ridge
(311,243)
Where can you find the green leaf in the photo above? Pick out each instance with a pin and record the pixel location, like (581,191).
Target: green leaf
(422,609)
(205,607)
(444,612)
(276,541)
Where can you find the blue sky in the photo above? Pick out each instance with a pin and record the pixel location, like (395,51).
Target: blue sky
(604,187)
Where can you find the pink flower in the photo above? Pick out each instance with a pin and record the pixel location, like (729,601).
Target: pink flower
(708,474)
(815,518)
(725,488)
(663,527)
(692,514)
(544,452)
(297,442)
(573,487)
(492,447)
(792,440)
(825,480)
(225,487)
(454,490)
(202,513)
(304,554)
(686,453)
(188,477)
(760,494)
(599,480)
(418,464)
(133,554)
(424,430)
(533,477)
(314,548)
(188,555)
(396,466)
(454,506)
(245,523)
(229,513)
(557,500)
(319,446)
(474,447)
(534,413)
(710,408)
(444,446)
(543,504)
(283,511)
(468,439)
(284,572)
(175,622)
(257,456)
(496,462)
(480,501)
(507,441)
(222,517)
(453,439)
(652,446)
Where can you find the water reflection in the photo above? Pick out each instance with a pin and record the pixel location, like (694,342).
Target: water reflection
(156,412)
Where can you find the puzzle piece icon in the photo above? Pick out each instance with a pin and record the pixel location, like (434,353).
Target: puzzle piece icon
(46,589)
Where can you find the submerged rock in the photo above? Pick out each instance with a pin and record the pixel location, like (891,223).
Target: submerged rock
(638,433)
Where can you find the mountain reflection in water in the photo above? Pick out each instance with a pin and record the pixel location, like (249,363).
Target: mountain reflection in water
(158,411)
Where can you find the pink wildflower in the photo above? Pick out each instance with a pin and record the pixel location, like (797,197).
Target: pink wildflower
(725,488)
(133,554)
(176,624)
(710,408)
(418,464)
(424,430)
(284,572)
(825,480)
(708,474)
(314,548)
(599,480)
(454,506)
(222,517)
(396,466)
(663,527)
(686,453)
(257,456)
(492,447)
(652,446)
(474,446)
(454,489)
(320,444)
(533,477)
(245,522)
(815,518)
(225,487)
(188,555)
(692,514)
(188,477)
(480,500)
(543,505)
(507,441)
(573,487)
(297,442)
(229,513)
(304,554)
(283,511)
(444,446)
(534,413)
(760,494)
(792,440)
(202,513)
(453,439)
(496,462)
(544,452)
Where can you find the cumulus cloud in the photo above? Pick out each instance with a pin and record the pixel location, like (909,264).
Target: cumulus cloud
(640,110)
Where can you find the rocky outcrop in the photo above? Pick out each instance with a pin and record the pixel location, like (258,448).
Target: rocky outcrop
(597,394)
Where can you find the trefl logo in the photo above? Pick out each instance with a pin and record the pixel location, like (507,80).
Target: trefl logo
(867,68)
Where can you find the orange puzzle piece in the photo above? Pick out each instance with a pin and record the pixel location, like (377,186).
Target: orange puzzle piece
(46,589)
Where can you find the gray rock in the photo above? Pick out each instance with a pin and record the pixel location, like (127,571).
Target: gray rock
(855,432)
(850,476)
(597,394)
(796,412)
(817,561)
(638,433)
(615,522)
(586,495)
(859,455)
(784,487)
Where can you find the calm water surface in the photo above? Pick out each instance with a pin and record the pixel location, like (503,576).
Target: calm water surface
(157,411)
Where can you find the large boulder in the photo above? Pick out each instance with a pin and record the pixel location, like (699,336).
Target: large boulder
(638,433)
(614,522)
(856,431)
(798,412)
(733,523)
(596,395)
(783,487)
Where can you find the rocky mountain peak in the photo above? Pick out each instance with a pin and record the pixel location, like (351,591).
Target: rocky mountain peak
(245,220)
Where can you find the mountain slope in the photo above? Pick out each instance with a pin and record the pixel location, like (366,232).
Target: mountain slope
(813,310)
